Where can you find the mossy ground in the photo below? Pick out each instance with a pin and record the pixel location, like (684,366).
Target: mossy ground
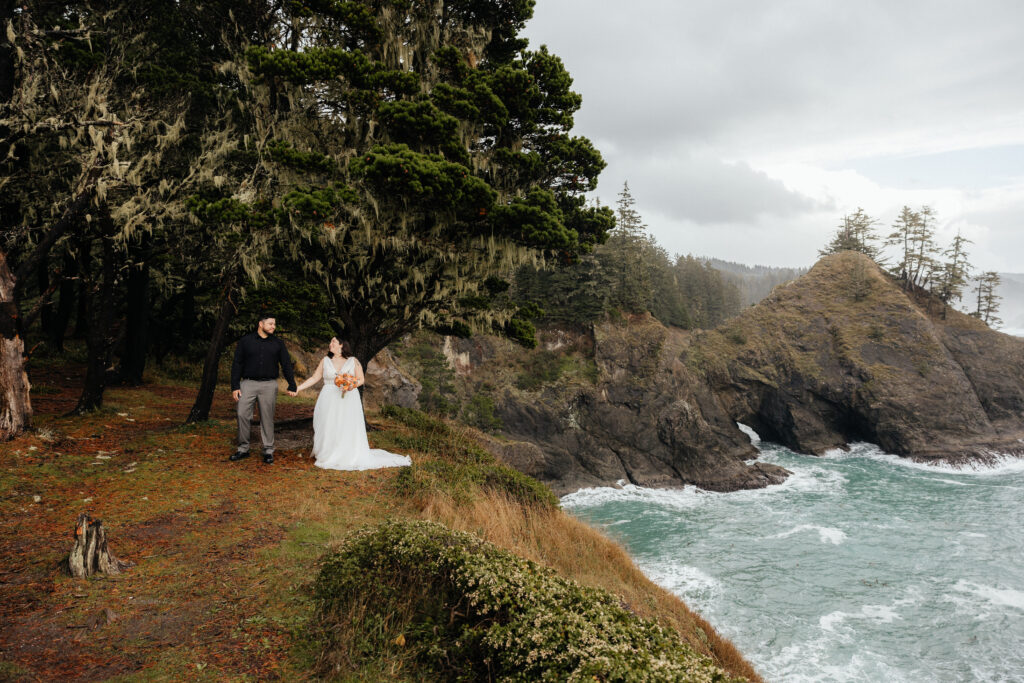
(226,553)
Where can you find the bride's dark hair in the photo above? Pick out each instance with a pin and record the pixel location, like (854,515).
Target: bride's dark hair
(346,350)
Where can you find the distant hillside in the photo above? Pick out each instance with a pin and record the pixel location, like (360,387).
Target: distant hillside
(753,282)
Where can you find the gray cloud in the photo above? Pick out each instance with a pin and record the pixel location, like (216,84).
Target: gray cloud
(689,101)
(707,190)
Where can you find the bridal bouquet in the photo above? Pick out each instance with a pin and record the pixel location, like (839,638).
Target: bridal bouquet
(345,382)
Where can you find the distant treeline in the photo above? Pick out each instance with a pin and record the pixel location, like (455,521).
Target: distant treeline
(632,273)
(754,282)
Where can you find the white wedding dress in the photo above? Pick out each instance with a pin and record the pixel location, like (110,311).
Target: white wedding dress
(339,431)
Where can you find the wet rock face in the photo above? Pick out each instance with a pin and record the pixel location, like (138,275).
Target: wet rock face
(388,383)
(822,369)
(645,421)
(811,367)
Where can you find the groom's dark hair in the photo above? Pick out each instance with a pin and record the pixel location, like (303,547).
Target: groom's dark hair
(264,315)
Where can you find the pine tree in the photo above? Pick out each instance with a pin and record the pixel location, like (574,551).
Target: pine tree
(623,256)
(955,271)
(986,287)
(856,232)
(924,265)
(414,150)
(900,237)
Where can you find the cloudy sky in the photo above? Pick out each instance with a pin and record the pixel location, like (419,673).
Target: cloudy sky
(746,129)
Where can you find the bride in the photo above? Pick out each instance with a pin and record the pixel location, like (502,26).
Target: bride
(339,432)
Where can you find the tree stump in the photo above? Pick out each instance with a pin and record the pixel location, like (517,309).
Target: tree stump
(15,405)
(90,555)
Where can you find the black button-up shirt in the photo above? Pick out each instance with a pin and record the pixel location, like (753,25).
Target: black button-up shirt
(257,358)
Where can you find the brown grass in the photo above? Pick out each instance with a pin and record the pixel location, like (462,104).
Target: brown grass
(226,552)
(580,552)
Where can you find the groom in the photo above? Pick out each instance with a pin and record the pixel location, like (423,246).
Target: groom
(254,380)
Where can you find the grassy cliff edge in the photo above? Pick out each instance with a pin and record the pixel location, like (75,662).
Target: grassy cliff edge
(228,555)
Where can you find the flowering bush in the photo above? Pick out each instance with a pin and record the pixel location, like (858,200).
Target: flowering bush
(467,610)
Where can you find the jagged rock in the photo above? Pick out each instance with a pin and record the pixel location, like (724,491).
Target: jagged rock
(388,383)
(645,421)
(815,366)
(842,354)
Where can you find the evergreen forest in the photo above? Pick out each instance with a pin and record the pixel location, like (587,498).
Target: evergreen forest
(360,169)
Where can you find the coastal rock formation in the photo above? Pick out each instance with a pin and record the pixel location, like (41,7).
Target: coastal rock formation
(846,354)
(842,354)
(638,417)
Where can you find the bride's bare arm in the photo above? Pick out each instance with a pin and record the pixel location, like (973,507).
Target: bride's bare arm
(360,379)
(314,378)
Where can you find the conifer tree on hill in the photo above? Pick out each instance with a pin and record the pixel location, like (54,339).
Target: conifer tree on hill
(856,232)
(413,150)
(986,287)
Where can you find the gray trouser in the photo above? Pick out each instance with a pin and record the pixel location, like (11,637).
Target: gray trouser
(265,394)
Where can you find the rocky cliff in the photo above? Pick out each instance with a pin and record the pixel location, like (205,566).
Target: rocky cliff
(644,420)
(845,354)
(841,354)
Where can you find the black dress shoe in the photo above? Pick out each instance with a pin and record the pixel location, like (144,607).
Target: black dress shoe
(238,456)
(268,458)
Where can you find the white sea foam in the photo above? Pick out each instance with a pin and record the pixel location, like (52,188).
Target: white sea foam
(790,663)
(687,582)
(827,534)
(807,479)
(681,499)
(1003,463)
(880,614)
(1000,597)
(755,438)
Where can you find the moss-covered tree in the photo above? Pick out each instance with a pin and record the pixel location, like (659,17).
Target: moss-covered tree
(418,148)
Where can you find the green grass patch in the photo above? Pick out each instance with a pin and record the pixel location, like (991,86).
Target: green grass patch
(458,465)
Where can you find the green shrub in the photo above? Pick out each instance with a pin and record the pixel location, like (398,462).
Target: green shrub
(542,368)
(523,332)
(458,464)
(458,608)
(479,413)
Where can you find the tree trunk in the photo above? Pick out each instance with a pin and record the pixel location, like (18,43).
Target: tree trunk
(65,304)
(84,283)
(98,337)
(90,555)
(46,311)
(208,385)
(136,342)
(15,405)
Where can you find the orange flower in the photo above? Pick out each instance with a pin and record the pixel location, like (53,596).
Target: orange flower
(345,382)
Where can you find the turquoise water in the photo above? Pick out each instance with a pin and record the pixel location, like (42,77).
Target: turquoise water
(861,567)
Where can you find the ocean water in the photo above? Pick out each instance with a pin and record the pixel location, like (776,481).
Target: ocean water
(860,567)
